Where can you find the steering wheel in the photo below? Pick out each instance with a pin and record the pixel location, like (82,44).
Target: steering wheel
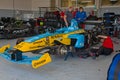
(50,29)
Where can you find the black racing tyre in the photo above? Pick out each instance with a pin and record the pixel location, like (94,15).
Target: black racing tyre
(62,50)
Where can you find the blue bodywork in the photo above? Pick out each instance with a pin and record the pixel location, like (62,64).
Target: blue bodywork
(79,40)
(72,27)
(114,69)
(25,59)
(65,30)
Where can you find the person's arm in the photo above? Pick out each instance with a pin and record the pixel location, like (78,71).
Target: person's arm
(65,20)
(102,36)
(85,16)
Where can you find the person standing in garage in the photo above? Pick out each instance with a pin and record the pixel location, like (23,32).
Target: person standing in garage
(81,17)
(74,12)
(37,25)
(62,14)
(68,16)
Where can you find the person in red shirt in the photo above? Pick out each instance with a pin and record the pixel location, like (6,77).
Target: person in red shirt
(74,12)
(105,49)
(62,14)
(107,45)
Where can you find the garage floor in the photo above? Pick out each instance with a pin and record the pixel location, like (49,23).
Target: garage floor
(72,69)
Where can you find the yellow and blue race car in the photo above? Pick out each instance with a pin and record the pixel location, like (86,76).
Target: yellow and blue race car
(63,37)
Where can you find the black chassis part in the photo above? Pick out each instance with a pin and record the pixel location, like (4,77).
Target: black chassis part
(16,32)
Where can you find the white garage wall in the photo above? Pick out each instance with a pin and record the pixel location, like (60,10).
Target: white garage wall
(16,4)
(23,4)
(7,7)
(31,6)
(6,4)
(40,3)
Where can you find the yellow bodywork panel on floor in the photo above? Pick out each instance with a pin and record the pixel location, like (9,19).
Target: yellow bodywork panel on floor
(44,59)
(2,49)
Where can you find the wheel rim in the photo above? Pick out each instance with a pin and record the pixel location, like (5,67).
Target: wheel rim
(63,50)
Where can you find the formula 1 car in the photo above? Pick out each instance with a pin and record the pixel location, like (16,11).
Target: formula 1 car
(63,37)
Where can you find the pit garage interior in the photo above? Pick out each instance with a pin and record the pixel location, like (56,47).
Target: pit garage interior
(20,19)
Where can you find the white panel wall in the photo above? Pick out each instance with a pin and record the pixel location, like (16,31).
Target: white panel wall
(23,4)
(6,4)
(40,3)
(16,4)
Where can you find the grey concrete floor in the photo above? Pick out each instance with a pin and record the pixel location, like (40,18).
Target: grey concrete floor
(72,69)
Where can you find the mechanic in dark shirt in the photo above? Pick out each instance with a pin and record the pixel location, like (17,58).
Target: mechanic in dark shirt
(68,16)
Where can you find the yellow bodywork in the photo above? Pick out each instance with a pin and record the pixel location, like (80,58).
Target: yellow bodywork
(44,59)
(47,41)
(2,49)
(42,43)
